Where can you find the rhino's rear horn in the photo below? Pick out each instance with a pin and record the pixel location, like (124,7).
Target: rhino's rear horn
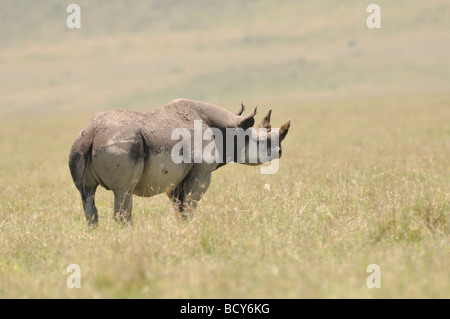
(249,120)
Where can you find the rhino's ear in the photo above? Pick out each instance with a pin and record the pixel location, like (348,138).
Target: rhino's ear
(265,123)
(248,121)
(284,129)
(241,110)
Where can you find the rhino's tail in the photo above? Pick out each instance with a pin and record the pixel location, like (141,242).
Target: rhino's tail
(79,159)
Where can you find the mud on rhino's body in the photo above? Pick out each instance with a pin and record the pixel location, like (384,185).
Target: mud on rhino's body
(130,153)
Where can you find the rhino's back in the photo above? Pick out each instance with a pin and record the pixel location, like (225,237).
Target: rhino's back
(180,113)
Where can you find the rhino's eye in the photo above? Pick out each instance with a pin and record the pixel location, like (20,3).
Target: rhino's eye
(278,150)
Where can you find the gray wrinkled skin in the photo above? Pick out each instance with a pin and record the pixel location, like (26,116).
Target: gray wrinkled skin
(130,153)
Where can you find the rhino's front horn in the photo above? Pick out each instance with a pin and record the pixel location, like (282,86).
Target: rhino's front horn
(284,129)
(265,123)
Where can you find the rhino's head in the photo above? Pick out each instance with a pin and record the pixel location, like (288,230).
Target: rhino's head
(259,145)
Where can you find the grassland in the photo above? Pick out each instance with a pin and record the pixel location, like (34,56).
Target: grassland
(364,178)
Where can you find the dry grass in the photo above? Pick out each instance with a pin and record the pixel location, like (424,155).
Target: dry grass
(359,183)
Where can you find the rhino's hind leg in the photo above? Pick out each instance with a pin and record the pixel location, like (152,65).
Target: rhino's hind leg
(118,156)
(90,211)
(123,205)
(86,185)
(123,192)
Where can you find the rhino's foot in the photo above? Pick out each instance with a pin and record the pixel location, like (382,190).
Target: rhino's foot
(123,219)
(92,225)
(185,216)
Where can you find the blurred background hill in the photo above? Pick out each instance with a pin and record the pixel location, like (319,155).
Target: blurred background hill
(142,54)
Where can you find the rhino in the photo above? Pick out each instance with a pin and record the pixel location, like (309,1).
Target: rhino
(129,153)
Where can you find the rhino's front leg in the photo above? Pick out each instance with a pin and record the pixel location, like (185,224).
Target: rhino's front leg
(186,196)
